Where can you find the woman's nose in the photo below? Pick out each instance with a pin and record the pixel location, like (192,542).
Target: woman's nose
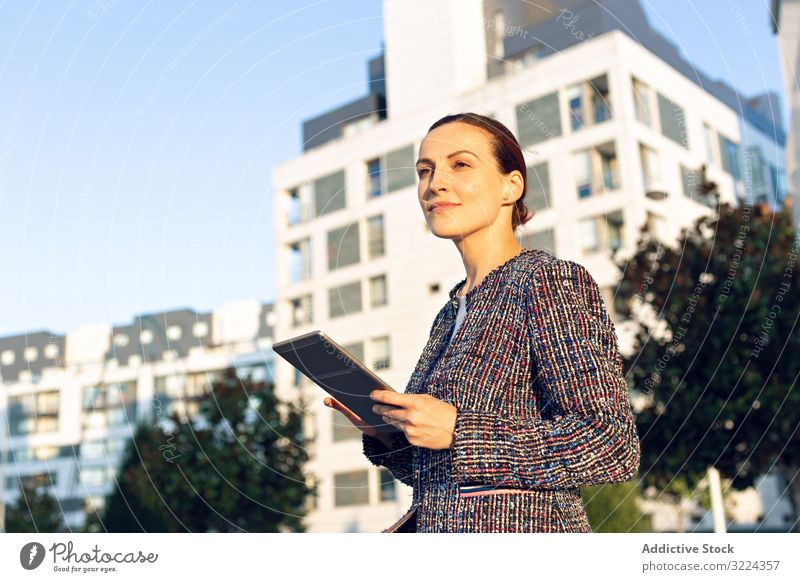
(438,180)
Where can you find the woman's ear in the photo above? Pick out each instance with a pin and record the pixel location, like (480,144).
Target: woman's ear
(515,185)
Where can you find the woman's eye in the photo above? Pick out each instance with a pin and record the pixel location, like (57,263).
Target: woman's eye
(462,164)
(422,171)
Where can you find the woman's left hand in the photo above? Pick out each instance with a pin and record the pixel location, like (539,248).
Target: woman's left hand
(426,421)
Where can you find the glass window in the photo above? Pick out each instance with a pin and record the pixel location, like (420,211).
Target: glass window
(146,336)
(539,120)
(381,358)
(300,206)
(729,151)
(583,174)
(778,184)
(601,100)
(109,404)
(615,229)
(375,238)
(96,476)
(378,291)
(387,485)
(602,233)
(589,102)
(542,239)
(757,163)
(374,178)
(575,102)
(345,299)
(356,350)
(33,413)
(300,260)
(7,357)
(708,138)
(651,174)
(641,101)
(608,165)
(596,170)
(31,353)
(590,239)
(181,393)
(329,194)
(343,246)
(673,121)
(538,191)
(400,170)
(351,488)
(93,449)
(343,429)
(301,310)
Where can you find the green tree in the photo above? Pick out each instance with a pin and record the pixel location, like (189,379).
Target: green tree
(238,466)
(715,355)
(614,507)
(36,510)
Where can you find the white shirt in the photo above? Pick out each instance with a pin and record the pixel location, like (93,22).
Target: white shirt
(462,312)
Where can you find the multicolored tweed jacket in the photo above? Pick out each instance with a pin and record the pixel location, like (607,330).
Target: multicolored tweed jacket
(543,406)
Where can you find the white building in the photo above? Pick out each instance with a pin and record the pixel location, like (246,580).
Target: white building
(615,124)
(69,404)
(785,18)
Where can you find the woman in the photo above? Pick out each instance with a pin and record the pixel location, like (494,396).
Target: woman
(519,397)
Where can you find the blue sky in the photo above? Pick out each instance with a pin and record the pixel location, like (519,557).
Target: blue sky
(137,138)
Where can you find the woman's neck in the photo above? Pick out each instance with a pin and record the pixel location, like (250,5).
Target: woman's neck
(480,262)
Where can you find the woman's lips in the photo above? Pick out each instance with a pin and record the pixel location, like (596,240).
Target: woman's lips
(442,207)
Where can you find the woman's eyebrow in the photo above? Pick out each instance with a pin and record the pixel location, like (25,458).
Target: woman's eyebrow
(430,161)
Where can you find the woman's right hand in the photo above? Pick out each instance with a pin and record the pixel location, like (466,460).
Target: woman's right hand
(358,422)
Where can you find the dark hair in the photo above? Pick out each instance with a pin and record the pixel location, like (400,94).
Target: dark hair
(507,153)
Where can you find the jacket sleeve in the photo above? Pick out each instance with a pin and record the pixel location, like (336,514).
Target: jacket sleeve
(587,433)
(398,459)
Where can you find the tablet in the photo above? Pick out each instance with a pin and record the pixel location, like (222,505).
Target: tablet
(338,372)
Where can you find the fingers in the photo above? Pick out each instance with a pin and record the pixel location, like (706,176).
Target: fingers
(394,412)
(336,405)
(394,398)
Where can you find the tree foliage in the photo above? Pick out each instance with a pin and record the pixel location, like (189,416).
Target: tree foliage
(715,354)
(238,466)
(614,508)
(36,510)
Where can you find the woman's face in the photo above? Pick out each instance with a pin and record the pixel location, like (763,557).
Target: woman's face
(457,166)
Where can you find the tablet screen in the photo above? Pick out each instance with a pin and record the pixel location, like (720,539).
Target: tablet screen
(337,371)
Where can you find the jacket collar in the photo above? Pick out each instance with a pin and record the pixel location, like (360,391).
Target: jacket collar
(485,282)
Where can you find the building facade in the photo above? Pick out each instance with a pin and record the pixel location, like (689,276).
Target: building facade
(785,18)
(619,132)
(70,403)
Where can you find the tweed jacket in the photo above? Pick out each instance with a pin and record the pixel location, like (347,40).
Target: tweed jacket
(542,405)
